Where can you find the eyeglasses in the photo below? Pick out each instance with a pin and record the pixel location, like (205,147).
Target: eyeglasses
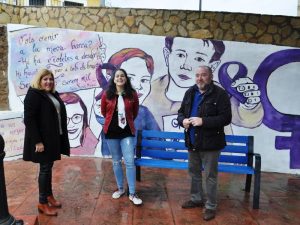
(76,118)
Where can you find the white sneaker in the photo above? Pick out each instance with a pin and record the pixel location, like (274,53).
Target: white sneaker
(135,199)
(117,194)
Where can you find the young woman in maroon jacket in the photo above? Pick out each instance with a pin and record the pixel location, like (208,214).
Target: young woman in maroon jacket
(119,106)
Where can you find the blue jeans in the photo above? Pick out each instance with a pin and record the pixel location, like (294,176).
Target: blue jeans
(118,148)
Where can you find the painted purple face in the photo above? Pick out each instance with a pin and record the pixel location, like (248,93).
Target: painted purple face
(185,58)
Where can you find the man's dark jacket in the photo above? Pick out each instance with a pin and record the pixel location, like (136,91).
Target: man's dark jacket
(215,111)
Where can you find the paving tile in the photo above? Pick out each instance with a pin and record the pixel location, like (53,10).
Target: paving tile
(112,211)
(152,222)
(85,185)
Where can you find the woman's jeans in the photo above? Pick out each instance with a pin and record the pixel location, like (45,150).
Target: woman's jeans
(45,181)
(118,148)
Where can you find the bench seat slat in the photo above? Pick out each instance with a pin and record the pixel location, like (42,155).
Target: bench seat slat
(233,159)
(184,165)
(162,134)
(163,144)
(181,145)
(178,135)
(237,138)
(159,154)
(162,154)
(236,149)
(161,163)
(236,169)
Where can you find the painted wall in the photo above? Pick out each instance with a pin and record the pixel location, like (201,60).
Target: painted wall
(261,80)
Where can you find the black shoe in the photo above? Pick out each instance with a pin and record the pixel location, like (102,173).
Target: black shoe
(190,204)
(209,214)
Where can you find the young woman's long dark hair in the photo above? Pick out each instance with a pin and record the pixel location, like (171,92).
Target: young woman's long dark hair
(112,89)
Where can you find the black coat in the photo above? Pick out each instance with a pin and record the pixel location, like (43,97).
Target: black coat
(41,125)
(215,111)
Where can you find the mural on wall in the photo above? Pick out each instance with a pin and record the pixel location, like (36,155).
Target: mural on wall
(72,60)
(275,119)
(81,138)
(259,79)
(12,131)
(182,60)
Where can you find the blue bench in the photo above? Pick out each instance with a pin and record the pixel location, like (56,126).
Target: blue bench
(161,149)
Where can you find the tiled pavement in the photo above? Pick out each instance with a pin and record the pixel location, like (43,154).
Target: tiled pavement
(85,185)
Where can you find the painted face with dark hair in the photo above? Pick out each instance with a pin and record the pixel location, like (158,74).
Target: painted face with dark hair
(185,58)
(74,121)
(139,76)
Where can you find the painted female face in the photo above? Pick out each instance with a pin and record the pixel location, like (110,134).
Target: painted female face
(139,76)
(120,79)
(47,83)
(74,120)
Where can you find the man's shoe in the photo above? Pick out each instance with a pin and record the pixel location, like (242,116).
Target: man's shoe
(53,202)
(209,214)
(46,209)
(190,204)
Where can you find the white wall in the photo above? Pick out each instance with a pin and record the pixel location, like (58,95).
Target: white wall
(271,7)
(156,4)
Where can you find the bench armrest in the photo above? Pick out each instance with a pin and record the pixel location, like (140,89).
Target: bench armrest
(257,156)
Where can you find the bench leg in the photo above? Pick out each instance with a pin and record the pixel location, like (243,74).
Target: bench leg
(138,173)
(248,182)
(256,193)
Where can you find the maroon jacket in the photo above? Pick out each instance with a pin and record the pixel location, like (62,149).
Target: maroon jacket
(131,109)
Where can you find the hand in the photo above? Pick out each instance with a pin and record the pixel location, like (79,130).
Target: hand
(249,90)
(196,121)
(39,147)
(186,123)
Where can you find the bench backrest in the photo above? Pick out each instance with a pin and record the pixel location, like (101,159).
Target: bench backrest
(171,145)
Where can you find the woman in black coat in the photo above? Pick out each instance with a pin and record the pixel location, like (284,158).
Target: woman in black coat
(46,135)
